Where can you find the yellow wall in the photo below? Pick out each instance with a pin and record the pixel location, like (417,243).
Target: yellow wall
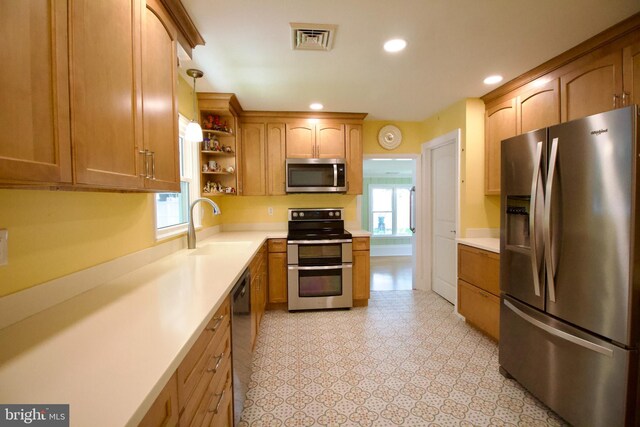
(55,233)
(244,210)
(476,209)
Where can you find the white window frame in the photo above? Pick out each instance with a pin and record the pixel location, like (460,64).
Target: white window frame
(394,210)
(191,174)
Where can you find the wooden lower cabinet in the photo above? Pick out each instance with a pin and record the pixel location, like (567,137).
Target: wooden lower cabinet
(277,271)
(479,308)
(479,289)
(164,411)
(361,271)
(258,269)
(200,391)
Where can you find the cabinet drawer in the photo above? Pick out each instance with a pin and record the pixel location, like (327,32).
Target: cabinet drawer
(479,308)
(480,268)
(192,367)
(361,243)
(277,245)
(217,395)
(213,370)
(164,411)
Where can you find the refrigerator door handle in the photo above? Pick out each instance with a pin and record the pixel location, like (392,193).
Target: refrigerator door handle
(532,220)
(560,334)
(548,255)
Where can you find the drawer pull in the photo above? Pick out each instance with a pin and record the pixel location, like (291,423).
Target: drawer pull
(482,294)
(217,325)
(220,397)
(219,360)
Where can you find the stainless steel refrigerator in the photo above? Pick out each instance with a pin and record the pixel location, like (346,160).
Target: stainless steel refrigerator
(570,267)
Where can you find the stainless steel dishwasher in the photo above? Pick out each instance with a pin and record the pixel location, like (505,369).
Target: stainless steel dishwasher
(241,341)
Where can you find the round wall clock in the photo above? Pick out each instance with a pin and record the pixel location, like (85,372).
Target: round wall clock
(389,137)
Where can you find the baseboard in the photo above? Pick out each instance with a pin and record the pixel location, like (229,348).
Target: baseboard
(391,250)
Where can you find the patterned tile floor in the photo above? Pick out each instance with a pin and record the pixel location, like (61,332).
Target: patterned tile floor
(407,359)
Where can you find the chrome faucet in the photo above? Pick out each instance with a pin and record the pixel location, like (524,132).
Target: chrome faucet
(191,233)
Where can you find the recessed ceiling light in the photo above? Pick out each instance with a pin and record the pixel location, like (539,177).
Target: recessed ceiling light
(316,106)
(395,45)
(491,80)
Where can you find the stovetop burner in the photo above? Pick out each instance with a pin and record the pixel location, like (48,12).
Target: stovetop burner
(317,224)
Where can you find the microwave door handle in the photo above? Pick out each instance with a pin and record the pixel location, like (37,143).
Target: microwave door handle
(335,175)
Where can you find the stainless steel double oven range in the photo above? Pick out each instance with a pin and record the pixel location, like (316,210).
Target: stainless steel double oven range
(319,260)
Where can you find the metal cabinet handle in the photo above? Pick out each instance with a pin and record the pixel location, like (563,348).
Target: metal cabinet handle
(153,164)
(220,398)
(547,222)
(218,361)
(146,163)
(625,99)
(217,325)
(532,220)
(615,100)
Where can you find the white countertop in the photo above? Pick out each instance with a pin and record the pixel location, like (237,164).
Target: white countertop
(109,351)
(360,233)
(486,243)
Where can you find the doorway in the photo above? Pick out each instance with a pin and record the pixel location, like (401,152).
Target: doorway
(388,210)
(440,163)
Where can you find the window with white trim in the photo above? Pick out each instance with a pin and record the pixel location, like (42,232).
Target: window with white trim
(389,210)
(172,209)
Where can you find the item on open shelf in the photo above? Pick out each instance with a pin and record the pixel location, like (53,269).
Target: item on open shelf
(214,166)
(229,169)
(213,122)
(227,149)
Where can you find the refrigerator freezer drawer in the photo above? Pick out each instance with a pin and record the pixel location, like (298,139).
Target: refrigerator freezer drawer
(585,380)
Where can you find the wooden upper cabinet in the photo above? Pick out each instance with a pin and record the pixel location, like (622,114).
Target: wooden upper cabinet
(159,97)
(592,85)
(354,158)
(276,156)
(539,107)
(330,142)
(105,89)
(500,123)
(253,159)
(301,141)
(34,106)
(631,71)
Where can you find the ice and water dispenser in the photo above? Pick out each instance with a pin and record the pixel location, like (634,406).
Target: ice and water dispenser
(517,217)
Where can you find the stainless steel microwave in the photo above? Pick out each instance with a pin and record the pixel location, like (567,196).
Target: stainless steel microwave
(316,175)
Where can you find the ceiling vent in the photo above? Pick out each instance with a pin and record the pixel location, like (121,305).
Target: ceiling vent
(312,36)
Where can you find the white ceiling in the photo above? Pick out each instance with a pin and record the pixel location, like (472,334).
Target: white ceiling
(452,46)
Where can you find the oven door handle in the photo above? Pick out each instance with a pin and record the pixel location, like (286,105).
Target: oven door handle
(322,267)
(318,242)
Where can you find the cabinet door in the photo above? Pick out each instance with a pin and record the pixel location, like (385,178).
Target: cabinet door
(539,107)
(301,140)
(276,156)
(159,97)
(631,64)
(34,106)
(253,158)
(105,91)
(354,159)
(330,141)
(164,410)
(500,123)
(278,277)
(479,308)
(361,269)
(591,85)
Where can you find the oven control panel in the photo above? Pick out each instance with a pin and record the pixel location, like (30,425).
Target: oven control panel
(315,214)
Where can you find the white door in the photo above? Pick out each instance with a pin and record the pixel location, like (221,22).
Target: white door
(443,216)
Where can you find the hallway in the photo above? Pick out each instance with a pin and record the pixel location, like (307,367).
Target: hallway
(391,273)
